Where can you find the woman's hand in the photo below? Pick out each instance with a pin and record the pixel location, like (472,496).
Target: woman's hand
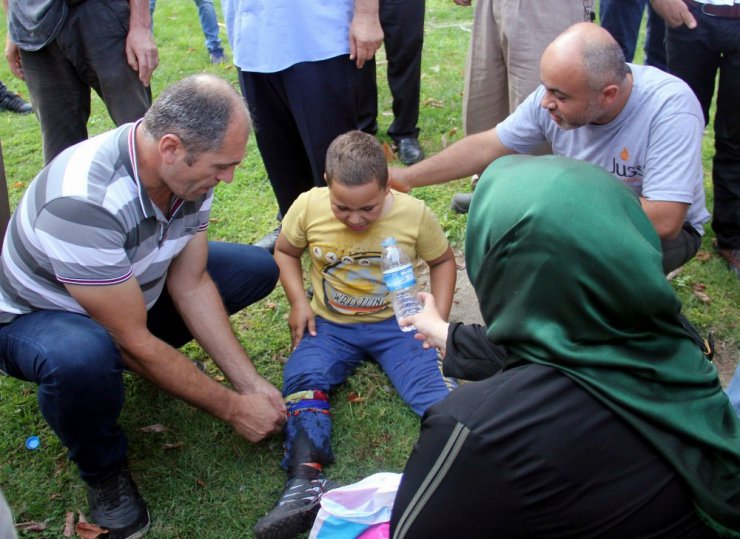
(430,326)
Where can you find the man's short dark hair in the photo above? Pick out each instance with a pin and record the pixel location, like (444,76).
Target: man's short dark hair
(356,158)
(198,109)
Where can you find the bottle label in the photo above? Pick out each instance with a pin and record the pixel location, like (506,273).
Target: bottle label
(399,278)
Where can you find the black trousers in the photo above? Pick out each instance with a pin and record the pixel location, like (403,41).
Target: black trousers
(529,453)
(297,113)
(403,26)
(696,56)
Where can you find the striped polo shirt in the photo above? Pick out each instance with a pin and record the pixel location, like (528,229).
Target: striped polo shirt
(87,220)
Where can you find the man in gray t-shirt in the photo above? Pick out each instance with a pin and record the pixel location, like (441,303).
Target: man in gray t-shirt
(640,124)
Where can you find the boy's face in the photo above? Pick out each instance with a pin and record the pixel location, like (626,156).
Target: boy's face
(357,206)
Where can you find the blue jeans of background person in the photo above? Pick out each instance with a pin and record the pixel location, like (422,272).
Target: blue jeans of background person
(79,370)
(622,19)
(733,391)
(89,52)
(322,362)
(696,56)
(208,22)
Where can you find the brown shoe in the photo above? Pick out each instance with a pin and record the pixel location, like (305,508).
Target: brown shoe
(732,257)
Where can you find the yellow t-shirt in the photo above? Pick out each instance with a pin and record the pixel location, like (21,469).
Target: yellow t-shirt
(345,265)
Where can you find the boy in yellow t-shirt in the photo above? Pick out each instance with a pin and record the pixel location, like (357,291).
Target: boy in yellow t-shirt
(349,318)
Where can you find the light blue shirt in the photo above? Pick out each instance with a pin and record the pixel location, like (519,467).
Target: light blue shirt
(267,36)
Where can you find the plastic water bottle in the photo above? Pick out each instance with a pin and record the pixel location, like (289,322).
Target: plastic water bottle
(399,278)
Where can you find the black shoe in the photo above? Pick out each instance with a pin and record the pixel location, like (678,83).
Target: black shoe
(296,509)
(268,242)
(216,57)
(13,103)
(460,202)
(409,151)
(115,504)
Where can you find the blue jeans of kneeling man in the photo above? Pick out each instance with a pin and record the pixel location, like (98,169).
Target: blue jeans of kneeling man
(79,370)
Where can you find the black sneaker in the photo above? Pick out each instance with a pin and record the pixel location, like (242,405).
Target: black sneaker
(460,202)
(296,509)
(13,103)
(115,504)
(269,240)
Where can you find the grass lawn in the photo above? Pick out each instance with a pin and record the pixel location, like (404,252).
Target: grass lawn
(199,478)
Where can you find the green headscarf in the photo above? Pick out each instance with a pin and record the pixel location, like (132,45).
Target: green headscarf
(567,270)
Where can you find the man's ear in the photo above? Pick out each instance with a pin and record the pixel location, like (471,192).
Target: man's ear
(169,148)
(609,94)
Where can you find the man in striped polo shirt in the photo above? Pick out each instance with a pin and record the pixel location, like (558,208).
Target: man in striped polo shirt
(106,266)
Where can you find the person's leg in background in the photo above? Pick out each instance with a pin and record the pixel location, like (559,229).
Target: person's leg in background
(403,25)
(695,56)
(209,24)
(622,18)
(655,54)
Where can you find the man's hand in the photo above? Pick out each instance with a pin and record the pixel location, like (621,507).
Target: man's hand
(301,317)
(255,417)
(13,56)
(430,326)
(141,53)
(399,179)
(365,33)
(263,387)
(674,13)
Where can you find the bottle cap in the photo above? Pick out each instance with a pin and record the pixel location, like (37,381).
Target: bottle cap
(33,442)
(388,241)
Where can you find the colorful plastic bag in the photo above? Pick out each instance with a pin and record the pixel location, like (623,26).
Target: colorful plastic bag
(362,509)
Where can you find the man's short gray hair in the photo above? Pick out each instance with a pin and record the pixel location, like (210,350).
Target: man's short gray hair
(604,64)
(198,109)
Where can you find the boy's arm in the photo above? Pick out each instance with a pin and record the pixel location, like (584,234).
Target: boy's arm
(442,275)
(288,258)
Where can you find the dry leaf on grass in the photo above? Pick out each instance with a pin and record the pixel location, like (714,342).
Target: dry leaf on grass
(703,256)
(271,305)
(434,103)
(700,293)
(69,524)
(388,152)
(31,526)
(157,427)
(200,483)
(89,531)
(167,447)
(354,398)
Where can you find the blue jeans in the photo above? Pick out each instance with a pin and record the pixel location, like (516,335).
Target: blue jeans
(79,370)
(622,19)
(697,56)
(322,362)
(733,391)
(208,22)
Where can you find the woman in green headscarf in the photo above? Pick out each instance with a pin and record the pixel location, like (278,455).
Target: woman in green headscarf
(595,413)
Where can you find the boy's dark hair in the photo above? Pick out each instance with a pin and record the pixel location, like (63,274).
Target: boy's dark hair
(356,158)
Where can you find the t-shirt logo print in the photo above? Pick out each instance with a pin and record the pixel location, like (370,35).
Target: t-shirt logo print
(625,170)
(353,284)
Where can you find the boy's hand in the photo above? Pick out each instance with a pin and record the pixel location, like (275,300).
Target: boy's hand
(300,318)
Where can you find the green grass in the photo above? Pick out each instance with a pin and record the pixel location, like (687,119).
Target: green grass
(214,484)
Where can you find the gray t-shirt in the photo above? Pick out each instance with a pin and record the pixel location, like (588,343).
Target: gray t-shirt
(33,24)
(87,220)
(653,145)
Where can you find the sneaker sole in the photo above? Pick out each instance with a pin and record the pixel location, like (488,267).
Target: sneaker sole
(299,521)
(138,533)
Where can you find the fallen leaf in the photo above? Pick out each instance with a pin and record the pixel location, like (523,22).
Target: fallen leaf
(154,428)
(219,378)
(354,398)
(699,292)
(89,531)
(55,496)
(69,524)
(271,305)
(167,447)
(200,483)
(31,526)
(18,184)
(282,359)
(434,103)
(703,256)
(388,152)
